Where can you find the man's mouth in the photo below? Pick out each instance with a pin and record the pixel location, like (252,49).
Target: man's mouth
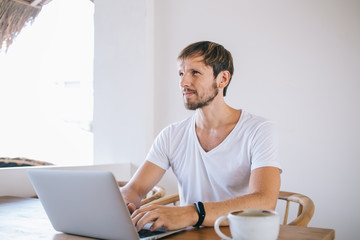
(188,92)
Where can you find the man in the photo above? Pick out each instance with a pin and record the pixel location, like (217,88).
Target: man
(224,159)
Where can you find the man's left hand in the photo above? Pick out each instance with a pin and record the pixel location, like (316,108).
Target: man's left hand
(169,217)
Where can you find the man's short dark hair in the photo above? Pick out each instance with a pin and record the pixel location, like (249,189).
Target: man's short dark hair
(215,55)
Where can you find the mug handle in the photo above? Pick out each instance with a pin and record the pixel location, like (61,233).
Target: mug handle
(217,227)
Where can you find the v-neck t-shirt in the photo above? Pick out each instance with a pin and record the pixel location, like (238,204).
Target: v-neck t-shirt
(224,171)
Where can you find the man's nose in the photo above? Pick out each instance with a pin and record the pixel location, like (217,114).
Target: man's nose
(184,81)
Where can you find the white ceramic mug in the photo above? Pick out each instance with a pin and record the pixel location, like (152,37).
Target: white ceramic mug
(250,224)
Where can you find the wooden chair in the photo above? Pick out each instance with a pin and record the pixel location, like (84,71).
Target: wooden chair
(156,193)
(306,206)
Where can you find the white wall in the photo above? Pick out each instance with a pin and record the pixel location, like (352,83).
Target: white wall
(123,105)
(296,62)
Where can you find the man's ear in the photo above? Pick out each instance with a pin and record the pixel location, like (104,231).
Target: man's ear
(224,78)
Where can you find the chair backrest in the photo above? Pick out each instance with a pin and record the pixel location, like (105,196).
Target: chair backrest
(306,206)
(155,193)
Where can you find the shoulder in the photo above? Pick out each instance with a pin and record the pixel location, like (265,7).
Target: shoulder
(174,135)
(178,127)
(253,121)
(253,125)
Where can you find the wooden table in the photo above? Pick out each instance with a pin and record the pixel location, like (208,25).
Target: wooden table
(24,218)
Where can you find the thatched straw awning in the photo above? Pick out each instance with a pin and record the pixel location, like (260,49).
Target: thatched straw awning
(14,15)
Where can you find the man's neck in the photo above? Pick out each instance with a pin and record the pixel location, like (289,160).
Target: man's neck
(216,115)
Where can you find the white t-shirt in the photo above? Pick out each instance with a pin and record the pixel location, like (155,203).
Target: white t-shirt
(222,172)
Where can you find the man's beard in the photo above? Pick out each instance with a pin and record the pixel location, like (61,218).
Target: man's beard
(205,102)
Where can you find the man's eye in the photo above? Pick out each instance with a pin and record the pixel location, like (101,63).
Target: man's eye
(181,74)
(195,72)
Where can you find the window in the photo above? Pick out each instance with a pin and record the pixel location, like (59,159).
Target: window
(46,87)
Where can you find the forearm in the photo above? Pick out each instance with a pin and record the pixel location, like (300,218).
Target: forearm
(179,217)
(141,183)
(263,193)
(255,200)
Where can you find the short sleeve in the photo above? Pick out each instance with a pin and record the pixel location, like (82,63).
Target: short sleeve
(159,151)
(264,147)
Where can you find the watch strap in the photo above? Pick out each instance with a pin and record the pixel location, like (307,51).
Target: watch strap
(201,212)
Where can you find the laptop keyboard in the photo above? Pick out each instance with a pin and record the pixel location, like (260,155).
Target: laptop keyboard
(147,233)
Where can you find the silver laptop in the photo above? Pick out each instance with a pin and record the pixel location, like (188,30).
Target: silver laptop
(87,203)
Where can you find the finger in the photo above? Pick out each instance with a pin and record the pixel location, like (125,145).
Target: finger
(157,224)
(136,217)
(150,207)
(137,212)
(145,209)
(146,218)
(131,207)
